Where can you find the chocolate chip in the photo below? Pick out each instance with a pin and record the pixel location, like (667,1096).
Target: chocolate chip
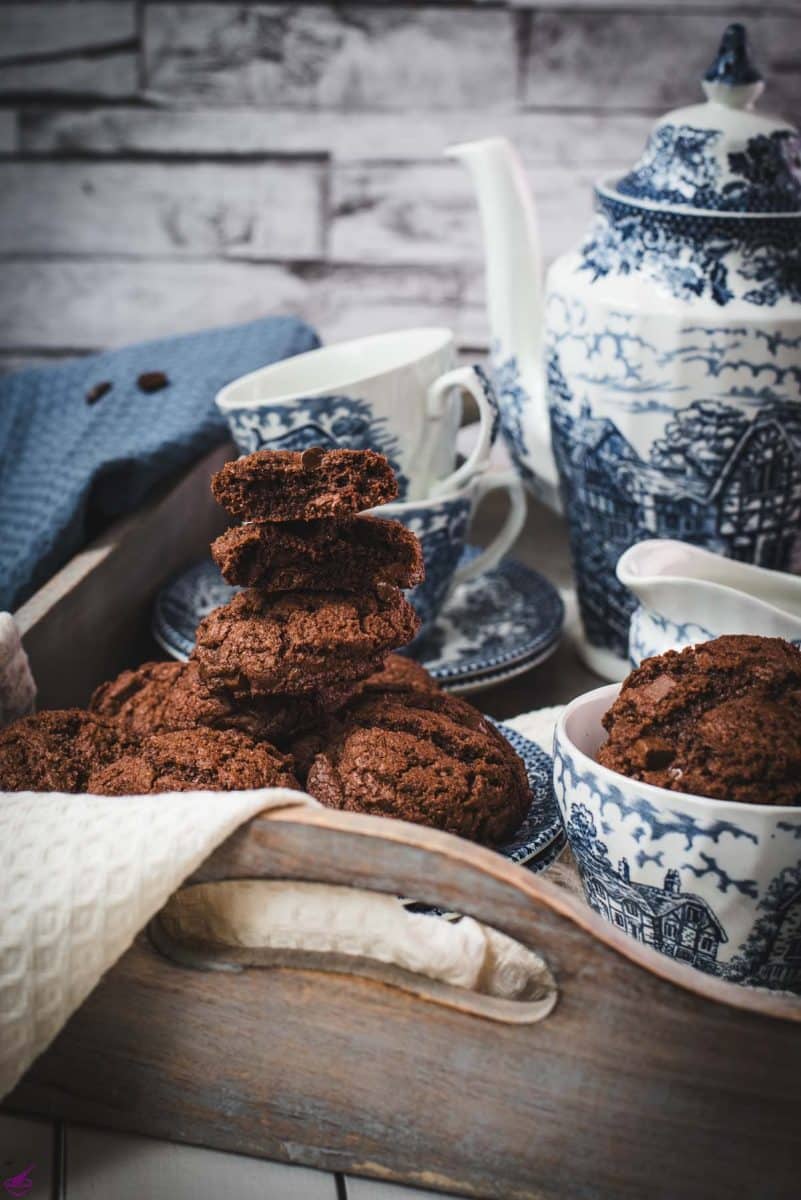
(384,590)
(310,459)
(152,381)
(98,391)
(659,688)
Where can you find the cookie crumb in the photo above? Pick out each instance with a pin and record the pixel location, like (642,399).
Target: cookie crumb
(310,459)
(98,391)
(152,381)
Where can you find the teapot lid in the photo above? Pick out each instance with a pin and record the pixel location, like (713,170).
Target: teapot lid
(721,155)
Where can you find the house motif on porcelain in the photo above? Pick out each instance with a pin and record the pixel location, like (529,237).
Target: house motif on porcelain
(679,924)
(715,478)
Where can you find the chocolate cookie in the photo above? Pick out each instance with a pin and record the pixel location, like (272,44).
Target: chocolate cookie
(422,757)
(720,719)
(288,485)
(745,749)
(55,751)
(398,674)
(298,642)
(159,697)
(194,759)
(372,702)
(351,554)
(141,701)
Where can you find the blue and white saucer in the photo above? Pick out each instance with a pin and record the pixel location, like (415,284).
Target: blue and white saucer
(542,827)
(493,627)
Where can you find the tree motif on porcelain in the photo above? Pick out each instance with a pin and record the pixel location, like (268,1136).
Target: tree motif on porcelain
(694,255)
(681,166)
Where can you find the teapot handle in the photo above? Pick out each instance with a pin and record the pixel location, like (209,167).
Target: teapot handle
(525,421)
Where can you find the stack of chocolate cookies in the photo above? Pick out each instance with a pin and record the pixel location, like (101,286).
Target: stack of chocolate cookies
(320,610)
(300,659)
(322,606)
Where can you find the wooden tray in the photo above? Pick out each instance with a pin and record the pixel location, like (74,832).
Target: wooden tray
(647,1079)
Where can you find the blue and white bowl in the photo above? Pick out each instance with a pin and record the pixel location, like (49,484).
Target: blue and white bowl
(712,883)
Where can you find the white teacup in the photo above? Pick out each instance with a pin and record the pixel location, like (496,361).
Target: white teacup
(398,393)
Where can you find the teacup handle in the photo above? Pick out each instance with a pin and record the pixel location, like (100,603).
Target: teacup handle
(470,380)
(509,482)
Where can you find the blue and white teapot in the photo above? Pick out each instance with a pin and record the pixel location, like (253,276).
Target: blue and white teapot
(655,381)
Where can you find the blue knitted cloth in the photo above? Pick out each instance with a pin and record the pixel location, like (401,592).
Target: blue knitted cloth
(68,467)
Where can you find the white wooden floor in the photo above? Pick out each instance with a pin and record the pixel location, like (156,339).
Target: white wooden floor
(72,1163)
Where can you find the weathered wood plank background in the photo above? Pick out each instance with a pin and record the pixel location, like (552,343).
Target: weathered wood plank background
(165,166)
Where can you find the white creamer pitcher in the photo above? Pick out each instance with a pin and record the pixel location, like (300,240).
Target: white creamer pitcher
(689,595)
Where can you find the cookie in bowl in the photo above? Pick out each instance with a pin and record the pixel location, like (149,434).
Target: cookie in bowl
(709,877)
(720,719)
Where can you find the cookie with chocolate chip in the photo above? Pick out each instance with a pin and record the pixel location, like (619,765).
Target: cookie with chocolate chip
(160,697)
(289,485)
(420,756)
(719,719)
(399,674)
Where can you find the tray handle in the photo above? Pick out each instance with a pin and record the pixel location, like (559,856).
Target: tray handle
(230,926)
(327,846)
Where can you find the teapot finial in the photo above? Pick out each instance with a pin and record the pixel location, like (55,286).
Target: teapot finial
(731,78)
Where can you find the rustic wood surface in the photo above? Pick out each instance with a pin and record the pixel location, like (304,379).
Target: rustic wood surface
(365,1079)
(109,1166)
(166,167)
(25,1143)
(200,954)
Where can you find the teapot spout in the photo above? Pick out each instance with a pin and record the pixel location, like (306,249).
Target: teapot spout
(516,304)
(511,250)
